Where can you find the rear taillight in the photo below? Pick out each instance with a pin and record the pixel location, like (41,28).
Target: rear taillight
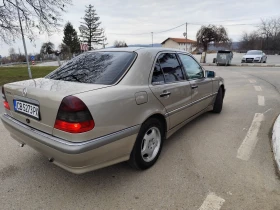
(73,116)
(6,104)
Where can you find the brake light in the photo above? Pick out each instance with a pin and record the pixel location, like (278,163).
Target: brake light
(6,104)
(73,116)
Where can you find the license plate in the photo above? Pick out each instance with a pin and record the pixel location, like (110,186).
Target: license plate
(28,109)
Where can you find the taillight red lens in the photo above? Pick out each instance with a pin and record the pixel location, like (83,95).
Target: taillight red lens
(73,116)
(6,104)
(74,127)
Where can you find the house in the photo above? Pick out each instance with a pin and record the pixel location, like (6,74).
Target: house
(179,43)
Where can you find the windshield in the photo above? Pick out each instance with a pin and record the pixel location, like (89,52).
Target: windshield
(94,67)
(254,53)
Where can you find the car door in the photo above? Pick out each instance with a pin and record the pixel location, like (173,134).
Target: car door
(171,88)
(201,86)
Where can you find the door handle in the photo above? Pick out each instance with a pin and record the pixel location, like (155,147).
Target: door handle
(165,93)
(194,86)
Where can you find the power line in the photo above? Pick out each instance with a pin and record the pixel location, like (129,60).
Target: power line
(169,29)
(221,21)
(193,23)
(149,32)
(234,24)
(130,34)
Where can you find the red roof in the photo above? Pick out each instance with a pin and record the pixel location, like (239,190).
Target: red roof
(179,40)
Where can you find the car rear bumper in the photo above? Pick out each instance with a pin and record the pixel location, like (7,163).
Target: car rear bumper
(76,157)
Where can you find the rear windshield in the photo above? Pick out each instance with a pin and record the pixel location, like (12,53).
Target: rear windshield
(94,68)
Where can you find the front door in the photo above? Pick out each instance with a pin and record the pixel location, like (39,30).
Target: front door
(170,86)
(200,85)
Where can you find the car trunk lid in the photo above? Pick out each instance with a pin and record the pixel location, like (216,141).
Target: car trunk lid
(45,94)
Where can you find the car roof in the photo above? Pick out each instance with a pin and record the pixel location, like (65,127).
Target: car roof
(140,49)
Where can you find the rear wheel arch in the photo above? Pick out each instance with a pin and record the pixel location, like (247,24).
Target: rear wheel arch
(161,118)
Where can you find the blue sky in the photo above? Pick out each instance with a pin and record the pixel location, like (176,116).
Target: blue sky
(146,16)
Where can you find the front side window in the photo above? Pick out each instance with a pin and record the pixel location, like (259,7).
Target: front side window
(170,67)
(192,68)
(94,68)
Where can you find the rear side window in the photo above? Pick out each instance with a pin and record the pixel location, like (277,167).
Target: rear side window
(158,77)
(170,67)
(94,68)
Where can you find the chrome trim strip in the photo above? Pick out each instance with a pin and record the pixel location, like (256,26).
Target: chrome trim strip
(66,146)
(190,104)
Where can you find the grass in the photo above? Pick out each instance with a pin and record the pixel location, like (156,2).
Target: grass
(18,73)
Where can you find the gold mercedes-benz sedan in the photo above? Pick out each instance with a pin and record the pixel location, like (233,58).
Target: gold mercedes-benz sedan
(112,105)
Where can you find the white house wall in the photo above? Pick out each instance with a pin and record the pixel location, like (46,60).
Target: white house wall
(181,46)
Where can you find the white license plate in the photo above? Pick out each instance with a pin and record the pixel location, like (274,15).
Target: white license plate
(27,109)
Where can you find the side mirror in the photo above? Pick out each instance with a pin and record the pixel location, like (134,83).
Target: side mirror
(210,74)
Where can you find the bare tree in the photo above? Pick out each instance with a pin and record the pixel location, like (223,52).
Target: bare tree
(211,34)
(65,51)
(266,38)
(251,41)
(269,32)
(44,15)
(120,44)
(47,48)
(270,27)
(12,53)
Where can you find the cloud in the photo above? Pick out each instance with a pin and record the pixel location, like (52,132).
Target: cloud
(146,16)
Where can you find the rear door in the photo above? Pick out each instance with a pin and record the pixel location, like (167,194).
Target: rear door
(200,85)
(170,86)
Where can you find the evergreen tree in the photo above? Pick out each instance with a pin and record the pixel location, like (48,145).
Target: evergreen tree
(71,38)
(89,28)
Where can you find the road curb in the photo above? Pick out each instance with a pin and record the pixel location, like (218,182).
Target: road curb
(244,64)
(276,142)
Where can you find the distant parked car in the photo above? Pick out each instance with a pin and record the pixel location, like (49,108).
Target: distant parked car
(254,56)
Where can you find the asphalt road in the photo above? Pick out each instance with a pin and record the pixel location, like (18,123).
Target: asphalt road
(201,166)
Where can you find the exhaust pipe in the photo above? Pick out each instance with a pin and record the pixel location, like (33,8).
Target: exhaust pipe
(51,160)
(22,144)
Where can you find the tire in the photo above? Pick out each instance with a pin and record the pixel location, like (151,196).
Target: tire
(218,105)
(141,158)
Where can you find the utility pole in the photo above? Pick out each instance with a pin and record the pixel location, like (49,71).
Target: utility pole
(152,39)
(23,40)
